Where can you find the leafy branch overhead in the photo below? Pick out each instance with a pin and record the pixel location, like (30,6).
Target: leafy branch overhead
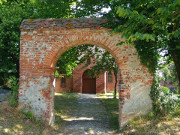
(151,25)
(83,54)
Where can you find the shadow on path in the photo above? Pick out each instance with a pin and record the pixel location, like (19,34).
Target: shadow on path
(89,117)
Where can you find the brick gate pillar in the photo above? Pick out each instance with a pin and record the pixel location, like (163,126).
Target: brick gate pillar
(36,93)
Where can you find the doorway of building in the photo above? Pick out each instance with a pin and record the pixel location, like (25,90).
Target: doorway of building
(89,83)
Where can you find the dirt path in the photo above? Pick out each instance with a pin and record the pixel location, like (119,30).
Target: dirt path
(90,117)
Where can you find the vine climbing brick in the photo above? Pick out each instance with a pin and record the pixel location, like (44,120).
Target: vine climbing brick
(43,41)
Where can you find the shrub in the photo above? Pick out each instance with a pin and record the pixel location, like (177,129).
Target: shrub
(14,96)
(27,114)
(168,102)
(163,101)
(165,90)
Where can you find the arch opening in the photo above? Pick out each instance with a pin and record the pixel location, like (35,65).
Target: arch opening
(73,63)
(83,79)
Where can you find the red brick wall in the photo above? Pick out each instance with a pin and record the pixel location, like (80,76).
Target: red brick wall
(100,84)
(76,84)
(67,88)
(110,85)
(77,77)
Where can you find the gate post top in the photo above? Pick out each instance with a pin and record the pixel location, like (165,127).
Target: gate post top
(92,23)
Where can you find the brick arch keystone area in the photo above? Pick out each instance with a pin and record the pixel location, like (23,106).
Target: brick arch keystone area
(42,43)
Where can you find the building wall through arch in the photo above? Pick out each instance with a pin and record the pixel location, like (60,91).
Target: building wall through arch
(75,83)
(42,43)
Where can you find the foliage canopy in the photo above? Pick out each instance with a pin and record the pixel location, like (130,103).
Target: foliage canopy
(151,25)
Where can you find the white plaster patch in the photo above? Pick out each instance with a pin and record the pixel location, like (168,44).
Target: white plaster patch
(32,96)
(139,101)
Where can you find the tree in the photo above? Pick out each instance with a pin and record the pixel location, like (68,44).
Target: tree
(11,16)
(52,8)
(71,59)
(167,76)
(152,26)
(106,63)
(90,8)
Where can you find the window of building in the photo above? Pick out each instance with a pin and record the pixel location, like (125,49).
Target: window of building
(110,77)
(63,82)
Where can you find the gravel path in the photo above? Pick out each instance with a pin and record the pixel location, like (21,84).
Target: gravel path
(89,118)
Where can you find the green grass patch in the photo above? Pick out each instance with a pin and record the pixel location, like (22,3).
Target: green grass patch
(112,108)
(64,105)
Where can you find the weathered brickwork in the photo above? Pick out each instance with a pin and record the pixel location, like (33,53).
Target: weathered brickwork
(44,41)
(100,84)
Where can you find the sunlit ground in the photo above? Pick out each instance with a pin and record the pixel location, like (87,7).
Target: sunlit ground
(12,122)
(143,124)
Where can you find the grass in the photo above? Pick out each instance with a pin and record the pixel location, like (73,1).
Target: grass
(112,108)
(13,121)
(155,125)
(63,106)
(147,125)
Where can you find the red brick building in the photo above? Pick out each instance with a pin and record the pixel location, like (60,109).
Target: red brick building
(82,83)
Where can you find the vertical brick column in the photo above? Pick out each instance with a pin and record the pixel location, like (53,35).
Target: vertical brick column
(36,91)
(100,84)
(36,94)
(77,82)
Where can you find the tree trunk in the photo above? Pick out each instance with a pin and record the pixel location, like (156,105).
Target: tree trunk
(175,53)
(176,59)
(115,91)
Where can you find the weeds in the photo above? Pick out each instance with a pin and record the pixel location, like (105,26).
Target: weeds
(112,108)
(148,124)
(163,101)
(14,96)
(24,122)
(27,115)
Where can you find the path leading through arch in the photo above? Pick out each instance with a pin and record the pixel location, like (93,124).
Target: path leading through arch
(90,117)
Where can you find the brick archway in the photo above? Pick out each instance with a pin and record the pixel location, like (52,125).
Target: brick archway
(42,43)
